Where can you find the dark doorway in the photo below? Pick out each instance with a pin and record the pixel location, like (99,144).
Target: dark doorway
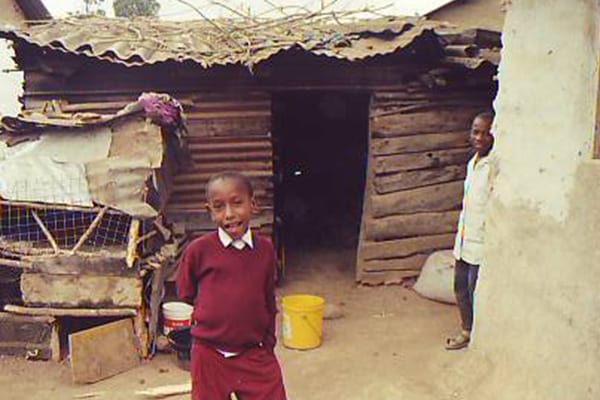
(320,150)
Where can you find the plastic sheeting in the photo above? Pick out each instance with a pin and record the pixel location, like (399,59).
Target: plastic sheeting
(52,169)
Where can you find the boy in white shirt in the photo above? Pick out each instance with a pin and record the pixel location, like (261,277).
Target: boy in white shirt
(468,246)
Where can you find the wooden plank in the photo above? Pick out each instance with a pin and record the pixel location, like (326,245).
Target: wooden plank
(403,226)
(156,295)
(103,351)
(71,312)
(201,220)
(415,161)
(419,178)
(406,247)
(385,277)
(455,119)
(420,143)
(132,242)
(410,263)
(229,126)
(65,264)
(441,197)
(64,291)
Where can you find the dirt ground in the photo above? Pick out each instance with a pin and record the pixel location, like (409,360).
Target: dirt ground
(387,345)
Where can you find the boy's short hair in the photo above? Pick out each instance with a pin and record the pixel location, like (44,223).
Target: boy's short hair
(486,116)
(235,175)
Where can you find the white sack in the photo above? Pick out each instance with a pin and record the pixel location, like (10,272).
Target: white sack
(436,281)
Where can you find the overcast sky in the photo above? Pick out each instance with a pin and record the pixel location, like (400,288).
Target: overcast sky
(172,9)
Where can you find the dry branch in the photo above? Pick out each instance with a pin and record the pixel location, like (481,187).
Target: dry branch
(89,230)
(160,392)
(45,231)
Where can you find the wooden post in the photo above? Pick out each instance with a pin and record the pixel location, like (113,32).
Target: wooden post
(89,230)
(134,233)
(45,231)
(158,282)
(141,332)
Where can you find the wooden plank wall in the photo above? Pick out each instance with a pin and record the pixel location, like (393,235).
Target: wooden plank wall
(227,132)
(418,153)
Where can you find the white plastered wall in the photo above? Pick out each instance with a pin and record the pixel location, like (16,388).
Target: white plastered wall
(537,328)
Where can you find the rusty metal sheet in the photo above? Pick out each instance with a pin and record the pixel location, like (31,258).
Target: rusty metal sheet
(141,42)
(120,182)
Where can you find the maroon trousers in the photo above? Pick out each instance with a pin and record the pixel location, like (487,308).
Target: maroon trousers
(253,375)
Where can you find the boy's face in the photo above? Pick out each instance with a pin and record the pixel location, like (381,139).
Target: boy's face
(481,139)
(230,206)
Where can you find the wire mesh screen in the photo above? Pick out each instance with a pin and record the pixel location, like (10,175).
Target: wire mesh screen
(22,229)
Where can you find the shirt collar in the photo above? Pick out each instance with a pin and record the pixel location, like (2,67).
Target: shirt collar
(245,240)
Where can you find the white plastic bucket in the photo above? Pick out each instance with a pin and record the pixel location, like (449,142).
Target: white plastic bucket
(176,314)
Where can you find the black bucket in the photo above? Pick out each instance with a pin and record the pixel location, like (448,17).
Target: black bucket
(181,341)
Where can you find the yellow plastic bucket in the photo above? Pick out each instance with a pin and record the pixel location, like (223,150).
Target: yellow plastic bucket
(302,321)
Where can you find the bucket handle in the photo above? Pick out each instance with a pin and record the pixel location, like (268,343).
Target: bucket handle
(315,330)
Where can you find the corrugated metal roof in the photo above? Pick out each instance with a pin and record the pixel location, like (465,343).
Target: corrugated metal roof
(223,42)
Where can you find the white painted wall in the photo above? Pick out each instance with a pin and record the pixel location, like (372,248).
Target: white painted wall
(11,83)
(537,324)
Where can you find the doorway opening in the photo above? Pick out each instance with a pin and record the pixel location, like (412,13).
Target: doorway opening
(320,144)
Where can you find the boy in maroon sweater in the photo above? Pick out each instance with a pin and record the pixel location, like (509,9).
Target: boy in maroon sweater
(229,277)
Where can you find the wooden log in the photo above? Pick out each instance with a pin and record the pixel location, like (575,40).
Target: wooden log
(71,312)
(457,94)
(403,226)
(70,291)
(406,247)
(441,197)
(415,161)
(419,178)
(455,119)
(420,143)
(410,263)
(160,392)
(43,206)
(16,263)
(385,277)
(102,264)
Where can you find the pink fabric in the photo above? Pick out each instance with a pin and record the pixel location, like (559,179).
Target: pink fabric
(161,108)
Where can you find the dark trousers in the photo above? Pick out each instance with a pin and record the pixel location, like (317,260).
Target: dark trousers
(465,280)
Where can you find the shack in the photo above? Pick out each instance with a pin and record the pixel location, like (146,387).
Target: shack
(81,219)
(354,132)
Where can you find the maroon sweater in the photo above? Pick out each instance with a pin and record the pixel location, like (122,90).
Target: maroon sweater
(233,292)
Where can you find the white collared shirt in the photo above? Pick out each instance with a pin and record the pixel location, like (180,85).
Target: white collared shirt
(468,245)
(245,240)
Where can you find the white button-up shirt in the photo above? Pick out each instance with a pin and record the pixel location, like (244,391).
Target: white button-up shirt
(468,245)
(245,240)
